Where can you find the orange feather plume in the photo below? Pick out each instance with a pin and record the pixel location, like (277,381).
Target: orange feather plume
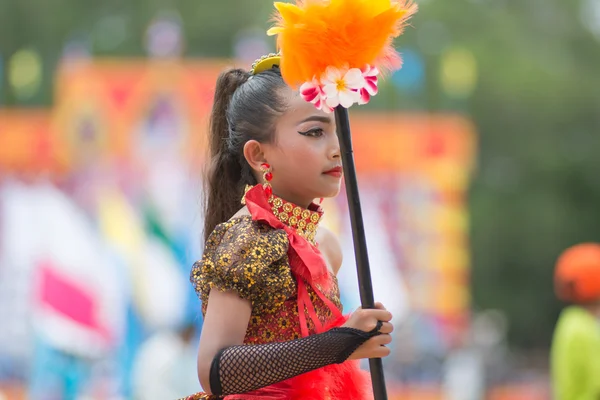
(315,34)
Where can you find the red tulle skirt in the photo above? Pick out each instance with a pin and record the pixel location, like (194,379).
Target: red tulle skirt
(335,382)
(344,381)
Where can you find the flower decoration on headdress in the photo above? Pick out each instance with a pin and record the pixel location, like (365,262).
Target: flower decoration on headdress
(334,49)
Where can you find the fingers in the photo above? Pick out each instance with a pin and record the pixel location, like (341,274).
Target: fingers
(368,320)
(386,328)
(381,340)
(380,315)
(381,352)
(379,312)
(371,323)
(377,345)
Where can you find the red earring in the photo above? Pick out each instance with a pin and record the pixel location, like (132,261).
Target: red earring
(268,177)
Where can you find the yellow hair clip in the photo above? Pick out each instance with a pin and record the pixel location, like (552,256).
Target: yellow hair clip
(265,62)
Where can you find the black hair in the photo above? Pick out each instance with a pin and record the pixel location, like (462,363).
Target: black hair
(245,108)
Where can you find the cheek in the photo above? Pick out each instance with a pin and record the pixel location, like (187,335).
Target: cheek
(301,155)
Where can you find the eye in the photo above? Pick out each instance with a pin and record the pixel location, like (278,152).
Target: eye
(315,132)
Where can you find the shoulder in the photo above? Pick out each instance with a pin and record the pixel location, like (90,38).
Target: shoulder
(576,329)
(330,246)
(246,257)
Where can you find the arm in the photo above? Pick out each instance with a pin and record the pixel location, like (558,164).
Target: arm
(225,324)
(240,369)
(225,366)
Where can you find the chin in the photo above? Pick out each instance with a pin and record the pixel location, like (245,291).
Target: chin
(331,191)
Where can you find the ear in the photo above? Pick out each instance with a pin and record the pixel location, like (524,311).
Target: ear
(254,154)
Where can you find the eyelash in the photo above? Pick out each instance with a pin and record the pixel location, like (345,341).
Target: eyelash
(311,132)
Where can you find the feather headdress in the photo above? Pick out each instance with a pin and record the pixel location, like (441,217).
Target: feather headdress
(334,49)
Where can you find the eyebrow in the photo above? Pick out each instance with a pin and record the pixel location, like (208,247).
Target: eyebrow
(317,118)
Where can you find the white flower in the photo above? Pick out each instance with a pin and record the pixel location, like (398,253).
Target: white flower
(342,88)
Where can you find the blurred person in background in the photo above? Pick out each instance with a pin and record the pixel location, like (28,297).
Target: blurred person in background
(575,354)
(165,364)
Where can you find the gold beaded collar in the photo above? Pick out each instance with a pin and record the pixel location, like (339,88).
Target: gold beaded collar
(303,220)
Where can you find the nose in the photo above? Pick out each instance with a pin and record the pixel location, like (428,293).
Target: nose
(334,148)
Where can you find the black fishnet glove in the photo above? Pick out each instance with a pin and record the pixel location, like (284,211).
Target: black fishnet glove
(240,369)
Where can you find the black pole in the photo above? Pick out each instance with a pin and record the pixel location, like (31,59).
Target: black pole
(365,285)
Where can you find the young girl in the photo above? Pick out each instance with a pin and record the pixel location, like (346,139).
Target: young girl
(273,324)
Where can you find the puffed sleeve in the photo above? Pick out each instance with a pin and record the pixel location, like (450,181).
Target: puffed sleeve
(248,258)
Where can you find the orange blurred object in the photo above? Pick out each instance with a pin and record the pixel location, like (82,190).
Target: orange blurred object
(26,143)
(577,274)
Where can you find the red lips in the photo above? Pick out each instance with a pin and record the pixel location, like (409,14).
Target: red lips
(335,172)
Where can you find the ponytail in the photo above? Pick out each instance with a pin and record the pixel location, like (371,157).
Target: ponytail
(223,182)
(243,110)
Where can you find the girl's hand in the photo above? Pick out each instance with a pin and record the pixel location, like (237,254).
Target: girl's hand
(366,320)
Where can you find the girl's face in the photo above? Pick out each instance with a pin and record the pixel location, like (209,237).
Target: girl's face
(305,155)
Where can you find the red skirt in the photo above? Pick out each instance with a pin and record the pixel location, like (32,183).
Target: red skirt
(344,381)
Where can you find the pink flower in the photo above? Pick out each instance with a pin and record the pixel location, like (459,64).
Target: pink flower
(369,89)
(322,105)
(313,93)
(342,87)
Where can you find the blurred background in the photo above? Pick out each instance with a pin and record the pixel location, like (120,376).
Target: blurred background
(477,163)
